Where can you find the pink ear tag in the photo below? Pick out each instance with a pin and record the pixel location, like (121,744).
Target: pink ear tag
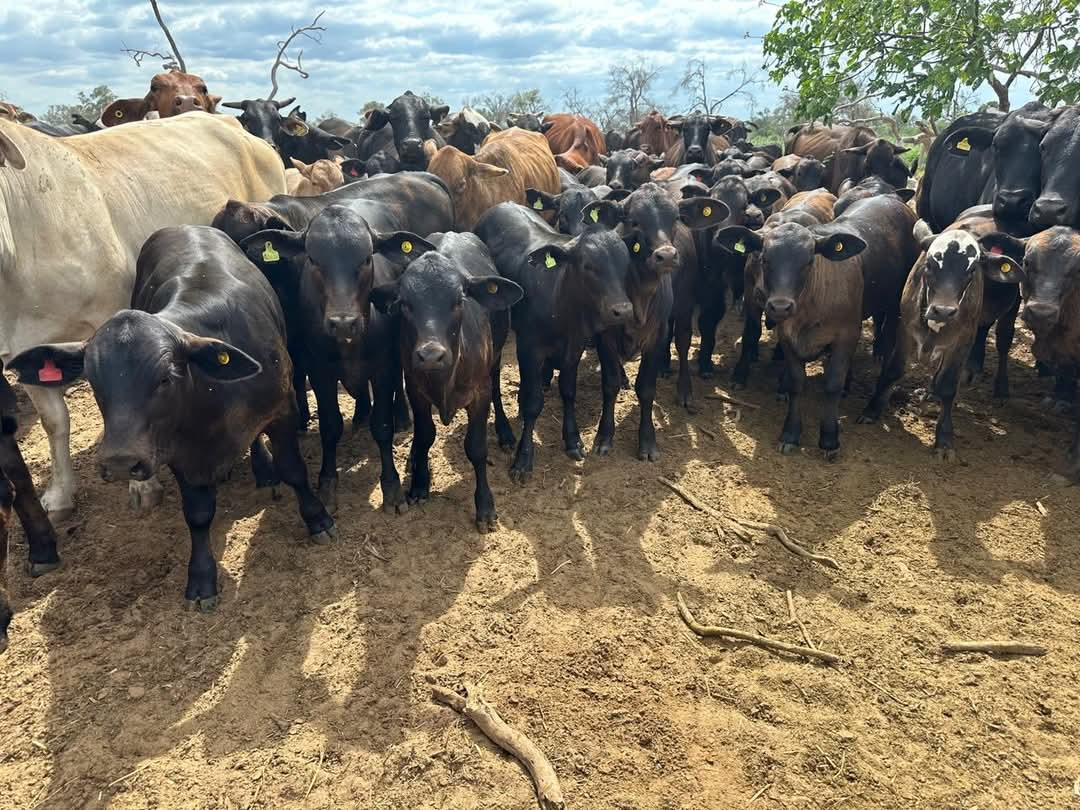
(995,250)
(49,372)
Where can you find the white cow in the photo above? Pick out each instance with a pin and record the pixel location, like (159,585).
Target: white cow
(74,213)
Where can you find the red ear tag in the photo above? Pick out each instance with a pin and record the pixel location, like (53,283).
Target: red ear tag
(49,372)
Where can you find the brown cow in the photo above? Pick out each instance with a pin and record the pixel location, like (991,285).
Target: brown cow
(575,141)
(508,163)
(310,179)
(652,134)
(170,94)
(827,144)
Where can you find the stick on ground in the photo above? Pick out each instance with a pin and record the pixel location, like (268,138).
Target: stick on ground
(795,618)
(742,528)
(750,638)
(741,403)
(993,647)
(473,706)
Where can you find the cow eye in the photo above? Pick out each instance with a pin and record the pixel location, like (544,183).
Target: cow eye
(202,89)
(165,381)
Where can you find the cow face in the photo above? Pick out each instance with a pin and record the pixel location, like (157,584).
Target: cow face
(567,206)
(430,297)
(878,157)
(1047,265)
(411,119)
(746,207)
(696,129)
(1059,201)
(330,266)
(170,94)
(629,168)
(465,131)
(788,252)
(260,117)
(144,372)
(529,121)
(951,264)
(809,174)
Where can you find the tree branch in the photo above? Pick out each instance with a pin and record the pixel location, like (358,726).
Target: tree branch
(281,61)
(168,36)
(168,61)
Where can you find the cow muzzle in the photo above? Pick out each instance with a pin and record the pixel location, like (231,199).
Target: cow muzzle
(665,258)
(1040,315)
(938,315)
(1013,204)
(779,308)
(183,104)
(616,313)
(1047,211)
(345,326)
(695,154)
(124,467)
(432,356)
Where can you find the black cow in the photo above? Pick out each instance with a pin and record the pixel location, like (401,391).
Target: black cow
(324,274)
(411,120)
(695,146)
(1058,202)
(190,377)
(575,288)
(529,121)
(454,321)
(869,187)
(629,168)
(291,135)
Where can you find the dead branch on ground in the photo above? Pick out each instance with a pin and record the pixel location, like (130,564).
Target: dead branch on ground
(483,714)
(993,647)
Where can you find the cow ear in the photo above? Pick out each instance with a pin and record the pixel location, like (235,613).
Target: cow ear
(377,118)
(274,252)
(1003,257)
(300,166)
(544,127)
(239,105)
(217,359)
(541,201)
(438,113)
(606,213)
(214,101)
(764,197)
(336,142)
(858,150)
(384,298)
(905,194)
(285,102)
(50,366)
(10,154)
(720,125)
(998,243)
(353,168)
(603,159)
(550,257)
(400,247)
(962,141)
(494,292)
(899,150)
(739,239)
(656,163)
(838,247)
(295,127)
(485,171)
(703,212)
(691,190)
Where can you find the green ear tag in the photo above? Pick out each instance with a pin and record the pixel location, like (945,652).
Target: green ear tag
(963,145)
(740,246)
(594,215)
(539,204)
(549,261)
(269,254)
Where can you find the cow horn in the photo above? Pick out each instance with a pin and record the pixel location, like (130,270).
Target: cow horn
(233,105)
(284,102)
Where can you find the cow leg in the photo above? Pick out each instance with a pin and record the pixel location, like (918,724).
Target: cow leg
(388,380)
(476,451)
(291,468)
(547,374)
(684,327)
(1074,450)
(976,360)
(794,378)
(568,372)
(751,336)
(711,315)
(836,369)
(402,418)
(645,387)
(331,426)
(665,357)
(1064,391)
(1004,332)
(40,535)
(892,369)
(610,384)
(530,405)
(946,382)
(423,438)
(200,504)
(299,383)
(262,465)
(59,497)
(361,409)
(7,498)
(503,431)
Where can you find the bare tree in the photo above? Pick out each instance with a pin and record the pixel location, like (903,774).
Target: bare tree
(628,89)
(169,62)
(312,31)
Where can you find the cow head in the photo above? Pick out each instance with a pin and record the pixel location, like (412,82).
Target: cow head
(529,121)
(412,119)
(696,129)
(567,206)
(788,253)
(142,369)
(629,168)
(260,117)
(878,157)
(465,131)
(321,176)
(330,266)
(170,94)
(431,296)
(952,261)
(1059,201)
(1048,266)
(808,174)
(745,208)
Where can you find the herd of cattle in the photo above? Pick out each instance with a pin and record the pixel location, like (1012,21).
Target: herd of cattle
(164,262)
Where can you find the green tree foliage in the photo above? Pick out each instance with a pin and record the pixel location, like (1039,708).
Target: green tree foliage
(922,55)
(89,106)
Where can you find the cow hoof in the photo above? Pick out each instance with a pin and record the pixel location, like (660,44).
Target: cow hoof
(416,496)
(325,538)
(487,523)
(831,455)
(576,453)
(787,448)
(38,569)
(145,495)
(202,604)
(602,446)
(648,453)
(520,476)
(866,419)
(1061,406)
(946,455)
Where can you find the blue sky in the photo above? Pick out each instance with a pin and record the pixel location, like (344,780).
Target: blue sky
(374,50)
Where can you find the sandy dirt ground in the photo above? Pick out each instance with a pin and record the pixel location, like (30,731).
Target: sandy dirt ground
(310,684)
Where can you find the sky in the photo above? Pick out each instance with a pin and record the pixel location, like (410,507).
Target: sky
(375,50)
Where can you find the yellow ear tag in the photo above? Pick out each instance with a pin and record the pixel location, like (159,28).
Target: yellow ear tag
(549,261)
(539,204)
(637,247)
(269,254)
(594,215)
(223,358)
(740,246)
(963,145)
(406,246)
(839,246)
(492,287)
(1005,267)
(706,211)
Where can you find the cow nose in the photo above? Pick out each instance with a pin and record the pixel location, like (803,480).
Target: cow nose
(1041,314)
(1047,211)
(1012,203)
(940,312)
(186,103)
(621,312)
(124,467)
(432,356)
(616,184)
(695,152)
(342,325)
(666,255)
(780,308)
(412,146)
